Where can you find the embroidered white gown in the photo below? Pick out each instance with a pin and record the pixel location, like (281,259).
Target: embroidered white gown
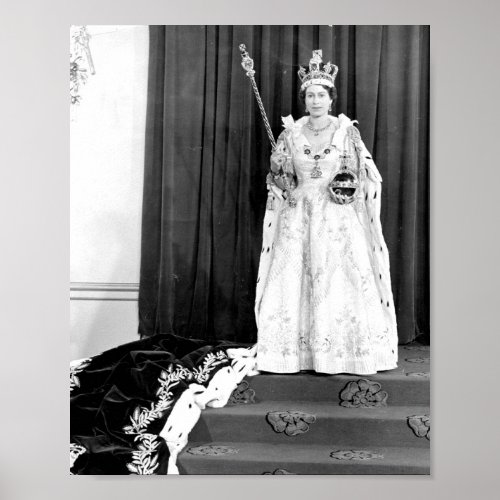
(324,299)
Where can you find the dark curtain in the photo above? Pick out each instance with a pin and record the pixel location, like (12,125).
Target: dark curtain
(207,156)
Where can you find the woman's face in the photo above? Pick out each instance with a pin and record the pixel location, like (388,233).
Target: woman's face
(317,100)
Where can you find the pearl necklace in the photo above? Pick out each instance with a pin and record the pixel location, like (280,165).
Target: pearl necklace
(318,130)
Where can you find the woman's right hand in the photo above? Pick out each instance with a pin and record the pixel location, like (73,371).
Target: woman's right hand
(279,180)
(277,162)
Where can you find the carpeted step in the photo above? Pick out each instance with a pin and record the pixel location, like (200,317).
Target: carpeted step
(409,384)
(223,457)
(295,422)
(401,388)
(333,423)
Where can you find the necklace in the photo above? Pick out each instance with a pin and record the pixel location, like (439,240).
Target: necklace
(316,171)
(318,130)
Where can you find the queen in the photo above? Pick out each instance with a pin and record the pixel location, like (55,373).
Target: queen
(323,298)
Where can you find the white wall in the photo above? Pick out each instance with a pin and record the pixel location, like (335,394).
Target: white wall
(107,163)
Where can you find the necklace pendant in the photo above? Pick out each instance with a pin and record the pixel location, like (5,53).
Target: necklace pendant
(316,172)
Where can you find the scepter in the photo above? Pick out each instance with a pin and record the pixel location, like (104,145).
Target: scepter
(247,64)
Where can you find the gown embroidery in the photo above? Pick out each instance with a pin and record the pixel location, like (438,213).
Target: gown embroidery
(324,299)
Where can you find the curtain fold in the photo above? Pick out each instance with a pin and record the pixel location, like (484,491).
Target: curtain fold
(207,156)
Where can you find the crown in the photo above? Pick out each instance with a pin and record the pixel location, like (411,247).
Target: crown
(319,73)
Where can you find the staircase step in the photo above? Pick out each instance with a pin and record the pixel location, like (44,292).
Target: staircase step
(409,384)
(359,427)
(401,389)
(261,458)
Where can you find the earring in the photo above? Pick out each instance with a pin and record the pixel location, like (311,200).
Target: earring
(330,108)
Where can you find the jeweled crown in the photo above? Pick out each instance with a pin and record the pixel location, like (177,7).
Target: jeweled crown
(319,73)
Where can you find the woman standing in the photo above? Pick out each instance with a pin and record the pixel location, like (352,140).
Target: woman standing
(324,299)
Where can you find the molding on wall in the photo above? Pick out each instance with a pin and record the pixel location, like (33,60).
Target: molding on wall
(85,290)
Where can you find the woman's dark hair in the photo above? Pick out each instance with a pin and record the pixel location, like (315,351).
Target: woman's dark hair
(332,92)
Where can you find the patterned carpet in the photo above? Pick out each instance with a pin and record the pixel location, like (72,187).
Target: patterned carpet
(320,424)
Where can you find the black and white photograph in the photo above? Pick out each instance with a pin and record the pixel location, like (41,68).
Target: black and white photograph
(249,250)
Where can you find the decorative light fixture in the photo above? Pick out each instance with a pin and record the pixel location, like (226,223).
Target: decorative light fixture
(80,61)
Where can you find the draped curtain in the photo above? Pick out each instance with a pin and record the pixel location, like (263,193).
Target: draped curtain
(207,156)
